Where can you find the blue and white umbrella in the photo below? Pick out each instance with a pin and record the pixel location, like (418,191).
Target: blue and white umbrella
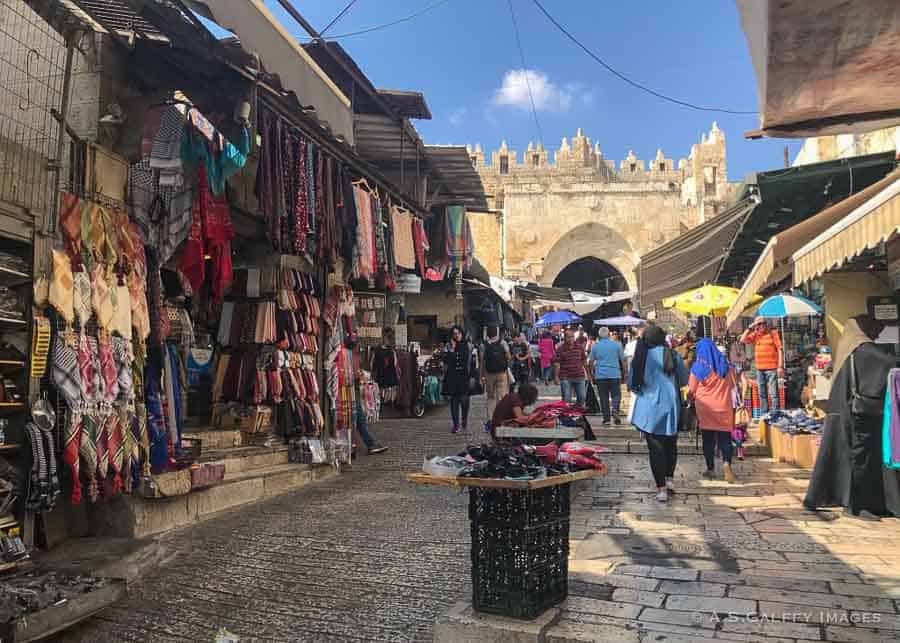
(557,317)
(781,306)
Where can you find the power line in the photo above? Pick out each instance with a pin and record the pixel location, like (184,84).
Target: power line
(412,16)
(626,78)
(337,17)
(537,123)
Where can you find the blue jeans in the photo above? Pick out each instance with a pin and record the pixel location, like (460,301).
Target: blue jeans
(713,439)
(768,388)
(548,373)
(607,389)
(579,386)
(362,426)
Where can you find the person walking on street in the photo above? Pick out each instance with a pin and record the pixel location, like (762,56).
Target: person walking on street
(769,357)
(494,369)
(458,377)
(547,347)
(712,386)
(521,359)
(607,363)
(570,364)
(656,377)
(360,422)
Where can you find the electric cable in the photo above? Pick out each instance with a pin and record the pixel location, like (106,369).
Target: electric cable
(412,16)
(337,17)
(625,78)
(537,123)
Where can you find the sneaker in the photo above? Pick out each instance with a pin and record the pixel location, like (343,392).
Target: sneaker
(710,474)
(740,454)
(729,474)
(617,420)
(605,422)
(662,495)
(377,448)
(670,485)
(455,429)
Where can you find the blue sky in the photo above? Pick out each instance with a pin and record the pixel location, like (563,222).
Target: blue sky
(462,55)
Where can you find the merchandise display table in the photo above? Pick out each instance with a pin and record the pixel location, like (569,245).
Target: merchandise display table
(520,540)
(526,433)
(800,449)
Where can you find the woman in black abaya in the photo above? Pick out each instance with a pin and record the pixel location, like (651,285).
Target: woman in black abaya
(849,470)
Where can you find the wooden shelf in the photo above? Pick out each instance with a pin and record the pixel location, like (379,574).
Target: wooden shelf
(16,324)
(7,408)
(7,446)
(12,363)
(13,278)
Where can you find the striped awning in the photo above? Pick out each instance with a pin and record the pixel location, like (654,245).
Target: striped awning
(871,223)
(775,263)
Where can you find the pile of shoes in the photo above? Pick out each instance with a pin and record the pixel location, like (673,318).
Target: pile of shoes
(794,422)
(513,462)
(34,591)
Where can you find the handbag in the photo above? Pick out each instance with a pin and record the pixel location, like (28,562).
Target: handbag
(863,405)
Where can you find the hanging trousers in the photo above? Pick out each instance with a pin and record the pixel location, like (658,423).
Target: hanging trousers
(663,451)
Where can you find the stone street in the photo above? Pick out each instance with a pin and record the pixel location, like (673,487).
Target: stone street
(367,556)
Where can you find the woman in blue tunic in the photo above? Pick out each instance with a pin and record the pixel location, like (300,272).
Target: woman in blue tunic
(656,377)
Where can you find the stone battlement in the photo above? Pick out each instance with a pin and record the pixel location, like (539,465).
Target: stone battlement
(581,153)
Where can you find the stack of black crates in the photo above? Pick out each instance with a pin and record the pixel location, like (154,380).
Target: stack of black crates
(520,549)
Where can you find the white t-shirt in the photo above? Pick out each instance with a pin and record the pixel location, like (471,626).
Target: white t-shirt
(630,347)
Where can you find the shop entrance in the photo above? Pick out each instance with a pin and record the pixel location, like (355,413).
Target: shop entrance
(593,274)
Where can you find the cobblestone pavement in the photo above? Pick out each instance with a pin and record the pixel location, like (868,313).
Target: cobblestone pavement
(367,556)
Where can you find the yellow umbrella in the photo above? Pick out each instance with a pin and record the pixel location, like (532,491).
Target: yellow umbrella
(709,300)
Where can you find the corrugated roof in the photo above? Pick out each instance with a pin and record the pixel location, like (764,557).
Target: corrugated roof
(119,17)
(460,179)
(407,103)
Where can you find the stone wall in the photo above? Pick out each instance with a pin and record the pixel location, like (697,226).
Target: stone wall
(584,204)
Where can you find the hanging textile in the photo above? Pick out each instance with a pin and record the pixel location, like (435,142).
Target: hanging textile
(364,267)
(458,237)
(420,244)
(891,425)
(404,251)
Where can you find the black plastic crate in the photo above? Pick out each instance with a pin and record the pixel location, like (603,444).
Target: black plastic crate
(519,592)
(513,550)
(518,507)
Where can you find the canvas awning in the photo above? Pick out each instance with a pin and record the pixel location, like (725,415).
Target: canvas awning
(261,32)
(693,258)
(775,263)
(869,224)
(824,67)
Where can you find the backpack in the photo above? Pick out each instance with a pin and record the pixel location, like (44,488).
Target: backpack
(495,360)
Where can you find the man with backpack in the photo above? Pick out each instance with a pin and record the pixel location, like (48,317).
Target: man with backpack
(494,368)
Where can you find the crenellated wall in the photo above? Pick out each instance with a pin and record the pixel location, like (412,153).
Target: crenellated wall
(583,204)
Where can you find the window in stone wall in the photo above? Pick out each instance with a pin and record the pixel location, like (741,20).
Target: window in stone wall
(474,160)
(709,180)
(498,201)
(535,160)
(504,165)
(662,167)
(634,167)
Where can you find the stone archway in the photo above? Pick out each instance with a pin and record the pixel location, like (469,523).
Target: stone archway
(591,240)
(592,274)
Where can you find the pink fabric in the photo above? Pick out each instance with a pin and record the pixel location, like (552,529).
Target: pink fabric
(713,401)
(548,351)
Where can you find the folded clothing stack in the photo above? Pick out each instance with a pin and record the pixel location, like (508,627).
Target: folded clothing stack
(794,422)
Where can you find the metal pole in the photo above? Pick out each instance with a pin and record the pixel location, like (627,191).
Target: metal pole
(55,165)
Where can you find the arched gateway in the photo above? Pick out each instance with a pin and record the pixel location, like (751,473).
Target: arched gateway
(576,219)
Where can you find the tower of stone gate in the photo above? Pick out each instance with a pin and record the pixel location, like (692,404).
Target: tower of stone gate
(584,206)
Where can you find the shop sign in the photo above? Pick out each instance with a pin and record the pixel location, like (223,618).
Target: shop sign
(886,309)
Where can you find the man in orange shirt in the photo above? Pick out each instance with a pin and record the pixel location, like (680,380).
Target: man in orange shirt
(768,356)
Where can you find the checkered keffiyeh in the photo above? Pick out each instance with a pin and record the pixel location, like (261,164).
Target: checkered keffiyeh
(62,286)
(64,372)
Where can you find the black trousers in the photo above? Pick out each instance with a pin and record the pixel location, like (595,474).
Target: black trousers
(607,389)
(663,451)
(711,439)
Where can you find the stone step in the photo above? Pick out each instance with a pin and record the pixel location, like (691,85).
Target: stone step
(134,517)
(215,438)
(245,458)
(636,444)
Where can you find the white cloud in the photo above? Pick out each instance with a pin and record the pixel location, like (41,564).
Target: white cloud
(457,115)
(548,96)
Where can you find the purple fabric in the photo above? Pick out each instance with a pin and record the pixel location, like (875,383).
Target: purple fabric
(895,418)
